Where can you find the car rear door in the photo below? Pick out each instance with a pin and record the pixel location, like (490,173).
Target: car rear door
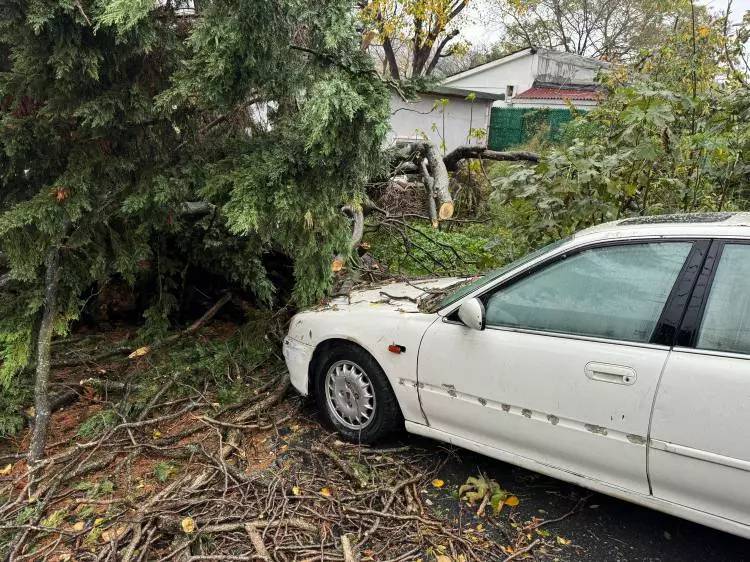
(699,450)
(566,372)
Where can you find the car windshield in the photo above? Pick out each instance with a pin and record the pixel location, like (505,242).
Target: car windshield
(496,273)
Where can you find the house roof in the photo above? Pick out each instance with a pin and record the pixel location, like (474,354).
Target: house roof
(561,56)
(558,93)
(451,91)
(486,66)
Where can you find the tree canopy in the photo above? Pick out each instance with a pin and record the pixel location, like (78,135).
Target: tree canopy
(143,144)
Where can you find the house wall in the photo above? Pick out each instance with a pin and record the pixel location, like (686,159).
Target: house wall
(415,120)
(519,73)
(563,68)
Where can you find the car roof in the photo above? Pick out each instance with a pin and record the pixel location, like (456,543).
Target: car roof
(726,224)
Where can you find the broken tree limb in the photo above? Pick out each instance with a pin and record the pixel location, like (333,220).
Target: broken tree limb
(441,182)
(453,158)
(194,327)
(429,183)
(437,172)
(348,551)
(356,214)
(358,227)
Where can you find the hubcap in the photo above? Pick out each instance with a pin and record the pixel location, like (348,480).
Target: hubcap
(350,395)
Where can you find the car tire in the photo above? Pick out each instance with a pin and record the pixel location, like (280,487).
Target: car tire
(341,365)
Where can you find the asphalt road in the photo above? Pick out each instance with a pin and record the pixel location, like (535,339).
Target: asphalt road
(603,529)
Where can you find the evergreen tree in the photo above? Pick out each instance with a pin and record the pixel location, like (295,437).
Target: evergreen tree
(139,142)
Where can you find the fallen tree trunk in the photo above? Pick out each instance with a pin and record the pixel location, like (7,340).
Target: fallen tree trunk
(454,158)
(434,174)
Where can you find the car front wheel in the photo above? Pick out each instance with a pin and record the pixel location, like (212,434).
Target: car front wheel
(355,396)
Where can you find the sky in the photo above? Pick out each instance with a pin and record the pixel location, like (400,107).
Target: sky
(481,30)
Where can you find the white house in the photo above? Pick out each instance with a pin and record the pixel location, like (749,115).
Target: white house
(449,117)
(459,110)
(536,77)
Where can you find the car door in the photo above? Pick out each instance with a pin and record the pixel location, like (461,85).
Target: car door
(699,452)
(566,371)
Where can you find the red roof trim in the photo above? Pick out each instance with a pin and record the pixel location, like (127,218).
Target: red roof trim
(559,94)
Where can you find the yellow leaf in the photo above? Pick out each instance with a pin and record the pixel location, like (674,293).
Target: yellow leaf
(98,521)
(113,533)
(480,527)
(337,265)
(438,483)
(512,501)
(188,525)
(296,491)
(6,469)
(325,492)
(157,434)
(443,558)
(562,541)
(79,526)
(139,352)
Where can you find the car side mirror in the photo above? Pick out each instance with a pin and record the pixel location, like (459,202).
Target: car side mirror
(471,313)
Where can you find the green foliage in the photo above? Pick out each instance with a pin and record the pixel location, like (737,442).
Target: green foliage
(651,148)
(124,15)
(98,424)
(163,470)
(460,251)
(118,118)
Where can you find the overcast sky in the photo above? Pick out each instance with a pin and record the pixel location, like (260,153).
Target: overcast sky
(481,28)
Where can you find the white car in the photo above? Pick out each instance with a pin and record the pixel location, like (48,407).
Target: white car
(617,359)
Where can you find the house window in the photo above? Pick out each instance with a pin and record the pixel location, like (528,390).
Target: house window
(509,91)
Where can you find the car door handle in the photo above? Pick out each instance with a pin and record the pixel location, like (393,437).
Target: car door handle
(616,374)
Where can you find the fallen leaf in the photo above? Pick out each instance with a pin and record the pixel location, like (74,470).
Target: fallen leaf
(512,501)
(296,491)
(562,541)
(98,521)
(140,352)
(157,434)
(6,469)
(188,525)
(113,533)
(79,526)
(438,483)
(325,492)
(443,558)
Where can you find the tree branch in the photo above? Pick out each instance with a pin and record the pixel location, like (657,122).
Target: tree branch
(453,158)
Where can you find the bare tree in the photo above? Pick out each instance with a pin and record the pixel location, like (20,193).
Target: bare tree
(613,30)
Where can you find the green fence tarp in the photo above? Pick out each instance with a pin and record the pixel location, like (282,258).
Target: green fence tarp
(511,126)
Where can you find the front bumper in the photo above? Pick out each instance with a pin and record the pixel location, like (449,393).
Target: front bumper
(298,356)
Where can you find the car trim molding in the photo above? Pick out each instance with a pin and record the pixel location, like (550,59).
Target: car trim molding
(699,454)
(534,415)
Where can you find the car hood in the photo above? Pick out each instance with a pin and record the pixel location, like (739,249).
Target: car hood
(405,296)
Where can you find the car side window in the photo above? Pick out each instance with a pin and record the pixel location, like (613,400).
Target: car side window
(614,292)
(726,320)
